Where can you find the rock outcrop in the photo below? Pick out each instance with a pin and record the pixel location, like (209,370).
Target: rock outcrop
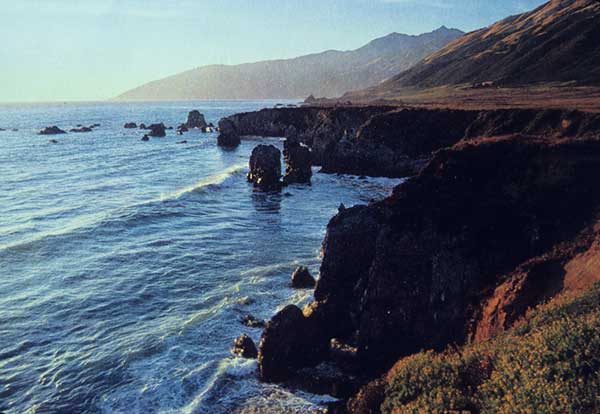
(287,344)
(157,130)
(252,321)
(302,279)
(52,130)
(265,167)
(398,142)
(81,130)
(131,125)
(196,120)
(229,136)
(489,228)
(244,347)
(298,165)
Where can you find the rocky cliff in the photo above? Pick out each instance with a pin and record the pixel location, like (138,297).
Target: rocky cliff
(492,226)
(397,142)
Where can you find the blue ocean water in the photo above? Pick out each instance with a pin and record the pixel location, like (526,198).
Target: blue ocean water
(125,266)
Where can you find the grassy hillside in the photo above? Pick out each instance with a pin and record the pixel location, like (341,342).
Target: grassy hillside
(549,363)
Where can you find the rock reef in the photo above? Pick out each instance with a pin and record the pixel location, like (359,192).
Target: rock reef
(52,130)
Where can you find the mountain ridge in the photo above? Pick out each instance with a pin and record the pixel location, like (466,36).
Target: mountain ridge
(556,42)
(327,73)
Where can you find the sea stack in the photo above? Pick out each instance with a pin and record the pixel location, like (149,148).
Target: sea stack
(297,163)
(157,130)
(229,136)
(302,279)
(244,347)
(196,120)
(265,168)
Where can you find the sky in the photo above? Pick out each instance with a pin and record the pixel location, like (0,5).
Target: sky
(64,50)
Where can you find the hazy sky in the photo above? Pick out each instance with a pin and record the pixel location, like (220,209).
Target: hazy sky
(53,50)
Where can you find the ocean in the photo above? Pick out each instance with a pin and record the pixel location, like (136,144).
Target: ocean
(126,266)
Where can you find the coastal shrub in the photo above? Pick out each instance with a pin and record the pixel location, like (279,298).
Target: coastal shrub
(548,364)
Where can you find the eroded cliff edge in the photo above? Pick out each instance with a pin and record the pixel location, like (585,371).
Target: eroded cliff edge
(398,142)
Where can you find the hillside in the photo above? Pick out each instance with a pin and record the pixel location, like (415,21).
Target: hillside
(330,73)
(549,363)
(555,43)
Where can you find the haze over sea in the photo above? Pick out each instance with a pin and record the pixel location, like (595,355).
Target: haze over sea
(126,266)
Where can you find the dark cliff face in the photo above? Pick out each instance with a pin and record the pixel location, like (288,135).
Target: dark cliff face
(475,213)
(427,267)
(397,142)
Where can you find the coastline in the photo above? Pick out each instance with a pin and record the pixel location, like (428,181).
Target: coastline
(340,332)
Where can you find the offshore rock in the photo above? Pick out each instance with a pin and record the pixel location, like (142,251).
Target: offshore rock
(252,321)
(302,279)
(244,347)
(82,129)
(297,163)
(130,125)
(52,130)
(157,130)
(265,167)
(229,136)
(196,120)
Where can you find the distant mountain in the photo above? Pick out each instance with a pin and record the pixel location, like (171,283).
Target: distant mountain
(329,74)
(557,42)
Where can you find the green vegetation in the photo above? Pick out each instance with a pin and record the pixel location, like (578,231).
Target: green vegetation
(549,363)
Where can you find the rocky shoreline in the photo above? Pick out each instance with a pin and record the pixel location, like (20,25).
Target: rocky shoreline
(393,141)
(502,215)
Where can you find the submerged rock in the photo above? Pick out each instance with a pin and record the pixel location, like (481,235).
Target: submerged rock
(145,138)
(244,347)
(157,130)
(265,167)
(229,136)
(53,141)
(143,126)
(82,129)
(196,120)
(298,163)
(182,142)
(252,321)
(131,125)
(302,279)
(52,130)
